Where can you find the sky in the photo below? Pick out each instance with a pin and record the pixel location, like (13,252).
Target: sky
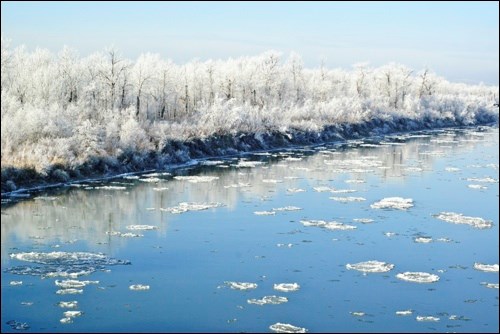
(458,40)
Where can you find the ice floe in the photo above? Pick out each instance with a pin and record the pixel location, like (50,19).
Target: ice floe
(268,300)
(151,180)
(358,314)
(72,314)
(191,206)
(287,208)
(371,266)
(355,181)
(197,178)
(62,264)
(404,313)
(70,291)
(70,304)
(124,235)
(423,240)
(286,328)
(111,188)
(477,186)
(272,181)
(138,287)
(241,285)
(141,227)
(333,225)
(348,199)
(427,318)
(418,277)
(66,321)
(484,179)
(160,189)
(458,218)
(452,169)
(363,220)
(295,190)
(490,285)
(70,283)
(15,283)
(248,164)
(237,185)
(393,203)
(16,325)
(286,287)
(489,268)
(264,213)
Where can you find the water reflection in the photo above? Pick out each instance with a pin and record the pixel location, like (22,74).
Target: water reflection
(85,213)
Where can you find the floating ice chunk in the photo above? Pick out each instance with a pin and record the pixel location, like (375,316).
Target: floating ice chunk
(286,328)
(295,190)
(68,284)
(66,258)
(191,206)
(16,283)
(45,198)
(444,240)
(111,188)
(484,179)
(490,285)
(18,325)
(287,287)
(272,300)
(212,162)
(69,291)
(452,169)
(71,304)
(272,181)
(287,208)
(160,189)
(343,191)
(130,235)
(404,313)
(489,268)
(139,287)
(348,199)
(363,220)
(358,314)
(264,213)
(427,318)
(423,240)
(248,164)
(413,169)
(285,245)
(238,185)
(458,317)
(458,218)
(333,225)
(197,179)
(371,266)
(66,321)
(477,186)
(27,303)
(355,181)
(141,227)
(151,180)
(323,189)
(393,203)
(131,177)
(241,285)
(72,314)
(418,277)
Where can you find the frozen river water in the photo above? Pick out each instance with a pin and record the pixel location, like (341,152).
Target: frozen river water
(391,234)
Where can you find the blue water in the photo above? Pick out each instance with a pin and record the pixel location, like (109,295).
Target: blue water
(189,257)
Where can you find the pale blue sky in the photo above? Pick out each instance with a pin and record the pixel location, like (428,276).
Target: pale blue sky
(458,40)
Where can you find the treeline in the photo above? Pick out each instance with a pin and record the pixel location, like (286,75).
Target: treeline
(63,109)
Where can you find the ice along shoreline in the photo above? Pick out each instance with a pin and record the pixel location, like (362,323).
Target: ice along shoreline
(176,155)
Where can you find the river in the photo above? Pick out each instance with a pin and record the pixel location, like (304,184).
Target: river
(207,248)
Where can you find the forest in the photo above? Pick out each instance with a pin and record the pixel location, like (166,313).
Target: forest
(64,116)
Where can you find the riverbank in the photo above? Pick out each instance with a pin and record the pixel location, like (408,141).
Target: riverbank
(177,153)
